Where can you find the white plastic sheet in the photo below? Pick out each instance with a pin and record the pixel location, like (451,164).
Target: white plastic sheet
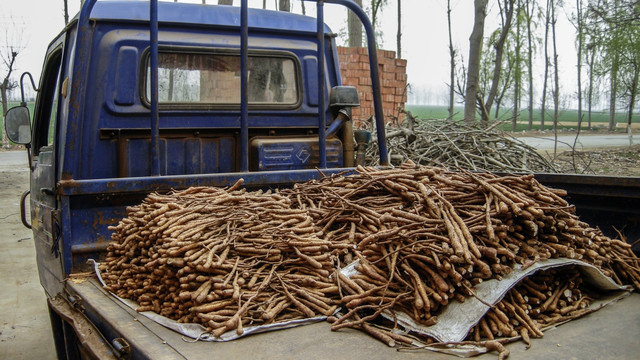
(457,319)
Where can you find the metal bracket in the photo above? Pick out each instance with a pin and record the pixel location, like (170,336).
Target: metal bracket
(57,233)
(122,347)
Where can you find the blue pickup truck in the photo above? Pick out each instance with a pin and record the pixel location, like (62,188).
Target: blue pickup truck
(137,97)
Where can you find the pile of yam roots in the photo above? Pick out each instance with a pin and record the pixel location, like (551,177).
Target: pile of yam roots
(420,237)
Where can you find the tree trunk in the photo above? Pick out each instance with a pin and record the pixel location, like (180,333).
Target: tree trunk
(613,92)
(355,28)
(499,47)
(3,95)
(517,76)
(591,80)
(580,39)
(399,34)
(66,12)
(500,96)
(475,50)
(530,57)
(556,85)
(452,63)
(633,94)
(284,5)
(547,23)
(632,101)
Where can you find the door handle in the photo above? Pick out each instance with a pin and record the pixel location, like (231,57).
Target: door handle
(47,191)
(23,209)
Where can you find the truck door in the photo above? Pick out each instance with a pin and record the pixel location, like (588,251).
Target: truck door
(44,214)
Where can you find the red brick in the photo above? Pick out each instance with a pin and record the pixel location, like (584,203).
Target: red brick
(401,77)
(389,54)
(361,73)
(388,76)
(365,80)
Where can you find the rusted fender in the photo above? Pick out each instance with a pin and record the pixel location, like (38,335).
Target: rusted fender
(88,336)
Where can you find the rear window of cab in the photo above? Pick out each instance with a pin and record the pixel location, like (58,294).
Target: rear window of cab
(188,78)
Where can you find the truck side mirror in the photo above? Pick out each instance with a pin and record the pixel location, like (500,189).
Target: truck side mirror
(17,124)
(343,96)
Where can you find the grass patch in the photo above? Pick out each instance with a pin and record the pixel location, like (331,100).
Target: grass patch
(567,119)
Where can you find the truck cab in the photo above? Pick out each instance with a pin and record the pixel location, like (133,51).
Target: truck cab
(136,97)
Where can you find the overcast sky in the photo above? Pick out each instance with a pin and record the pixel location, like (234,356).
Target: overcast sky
(424,32)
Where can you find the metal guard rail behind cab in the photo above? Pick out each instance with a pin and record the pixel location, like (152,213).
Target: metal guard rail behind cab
(158,183)
(81,67)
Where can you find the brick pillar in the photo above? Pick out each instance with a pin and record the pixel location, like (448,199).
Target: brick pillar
(354,68)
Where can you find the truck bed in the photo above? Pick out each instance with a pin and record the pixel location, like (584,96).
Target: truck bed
(609,333)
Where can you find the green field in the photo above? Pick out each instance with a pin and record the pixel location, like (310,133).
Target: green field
(567,119)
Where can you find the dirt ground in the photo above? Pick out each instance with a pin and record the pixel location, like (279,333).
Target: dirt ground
(613,161)
(623,161)
(24,319)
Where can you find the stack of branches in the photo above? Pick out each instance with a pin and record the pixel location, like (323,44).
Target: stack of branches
(222,258)
(426,235)
(457,144)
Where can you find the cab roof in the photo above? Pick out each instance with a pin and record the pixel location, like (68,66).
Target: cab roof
(207,15)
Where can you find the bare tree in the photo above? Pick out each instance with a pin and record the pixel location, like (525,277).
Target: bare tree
(9,52)
(7,85)
(355,27)
(475,51)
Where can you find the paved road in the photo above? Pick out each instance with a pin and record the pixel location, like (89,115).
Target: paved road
(565,142)
(13,160)
(25,332)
